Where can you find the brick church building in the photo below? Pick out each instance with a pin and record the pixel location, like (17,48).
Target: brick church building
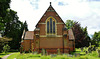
(50,34)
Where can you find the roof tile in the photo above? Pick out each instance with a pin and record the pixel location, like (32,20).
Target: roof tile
(29,35)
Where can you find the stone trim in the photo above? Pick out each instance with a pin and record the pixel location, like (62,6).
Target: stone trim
(55,36)
(56,23)
(42,23)
(59,23)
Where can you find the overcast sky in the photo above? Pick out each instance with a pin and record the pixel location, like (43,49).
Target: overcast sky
(86,12)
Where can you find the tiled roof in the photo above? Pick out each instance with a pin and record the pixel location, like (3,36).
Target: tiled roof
(29,35)
(71,35)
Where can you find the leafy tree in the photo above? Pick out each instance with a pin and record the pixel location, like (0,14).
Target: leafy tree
(10,26)
(13,29)
(96,39)
(24,27)
(4,5)
(81,36)
(69,24)
(1,24)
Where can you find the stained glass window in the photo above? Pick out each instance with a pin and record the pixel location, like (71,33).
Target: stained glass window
(48,27)
(53,26)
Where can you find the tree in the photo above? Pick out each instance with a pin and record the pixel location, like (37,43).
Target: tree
(69,24)
(13,29)
(80,33)
(10,26)
(1,24)
(24,27)
(96,39)
(4,5)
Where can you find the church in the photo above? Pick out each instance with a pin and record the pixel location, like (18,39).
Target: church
(50,34)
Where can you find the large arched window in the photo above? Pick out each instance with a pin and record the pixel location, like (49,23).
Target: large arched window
(51,25)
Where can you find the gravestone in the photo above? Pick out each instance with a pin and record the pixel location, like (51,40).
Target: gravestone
(69,55)
(81,49)
(77,54)
(43,52)
(58,51)
(53,55)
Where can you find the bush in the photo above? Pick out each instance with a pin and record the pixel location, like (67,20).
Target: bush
(6,48)
(84,57)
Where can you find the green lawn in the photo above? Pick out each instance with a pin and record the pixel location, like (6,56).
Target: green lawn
(83,55)
(3,54)
(15,55)
(92,55)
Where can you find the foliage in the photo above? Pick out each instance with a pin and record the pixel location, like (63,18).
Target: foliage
(4,5)
(3,41)
(81,36)
(1,24)
(96,39)
(6,48)
(69,24)
(10,26)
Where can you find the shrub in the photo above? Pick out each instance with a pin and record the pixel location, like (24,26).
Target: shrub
(6,48)
(29,51)
(84,57)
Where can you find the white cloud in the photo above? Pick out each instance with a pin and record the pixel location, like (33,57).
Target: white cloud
(86,12)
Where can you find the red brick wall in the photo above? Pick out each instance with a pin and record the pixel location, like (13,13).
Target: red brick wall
(51,42)
(50,13)
(27,44)
(42,29)
(59,29)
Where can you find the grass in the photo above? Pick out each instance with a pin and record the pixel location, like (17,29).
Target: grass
(3,54)
(92,55)
(16,54)
(83,55)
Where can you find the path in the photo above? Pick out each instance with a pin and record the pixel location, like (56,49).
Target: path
(5,57)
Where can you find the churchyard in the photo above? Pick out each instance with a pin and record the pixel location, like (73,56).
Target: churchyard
(80,53)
